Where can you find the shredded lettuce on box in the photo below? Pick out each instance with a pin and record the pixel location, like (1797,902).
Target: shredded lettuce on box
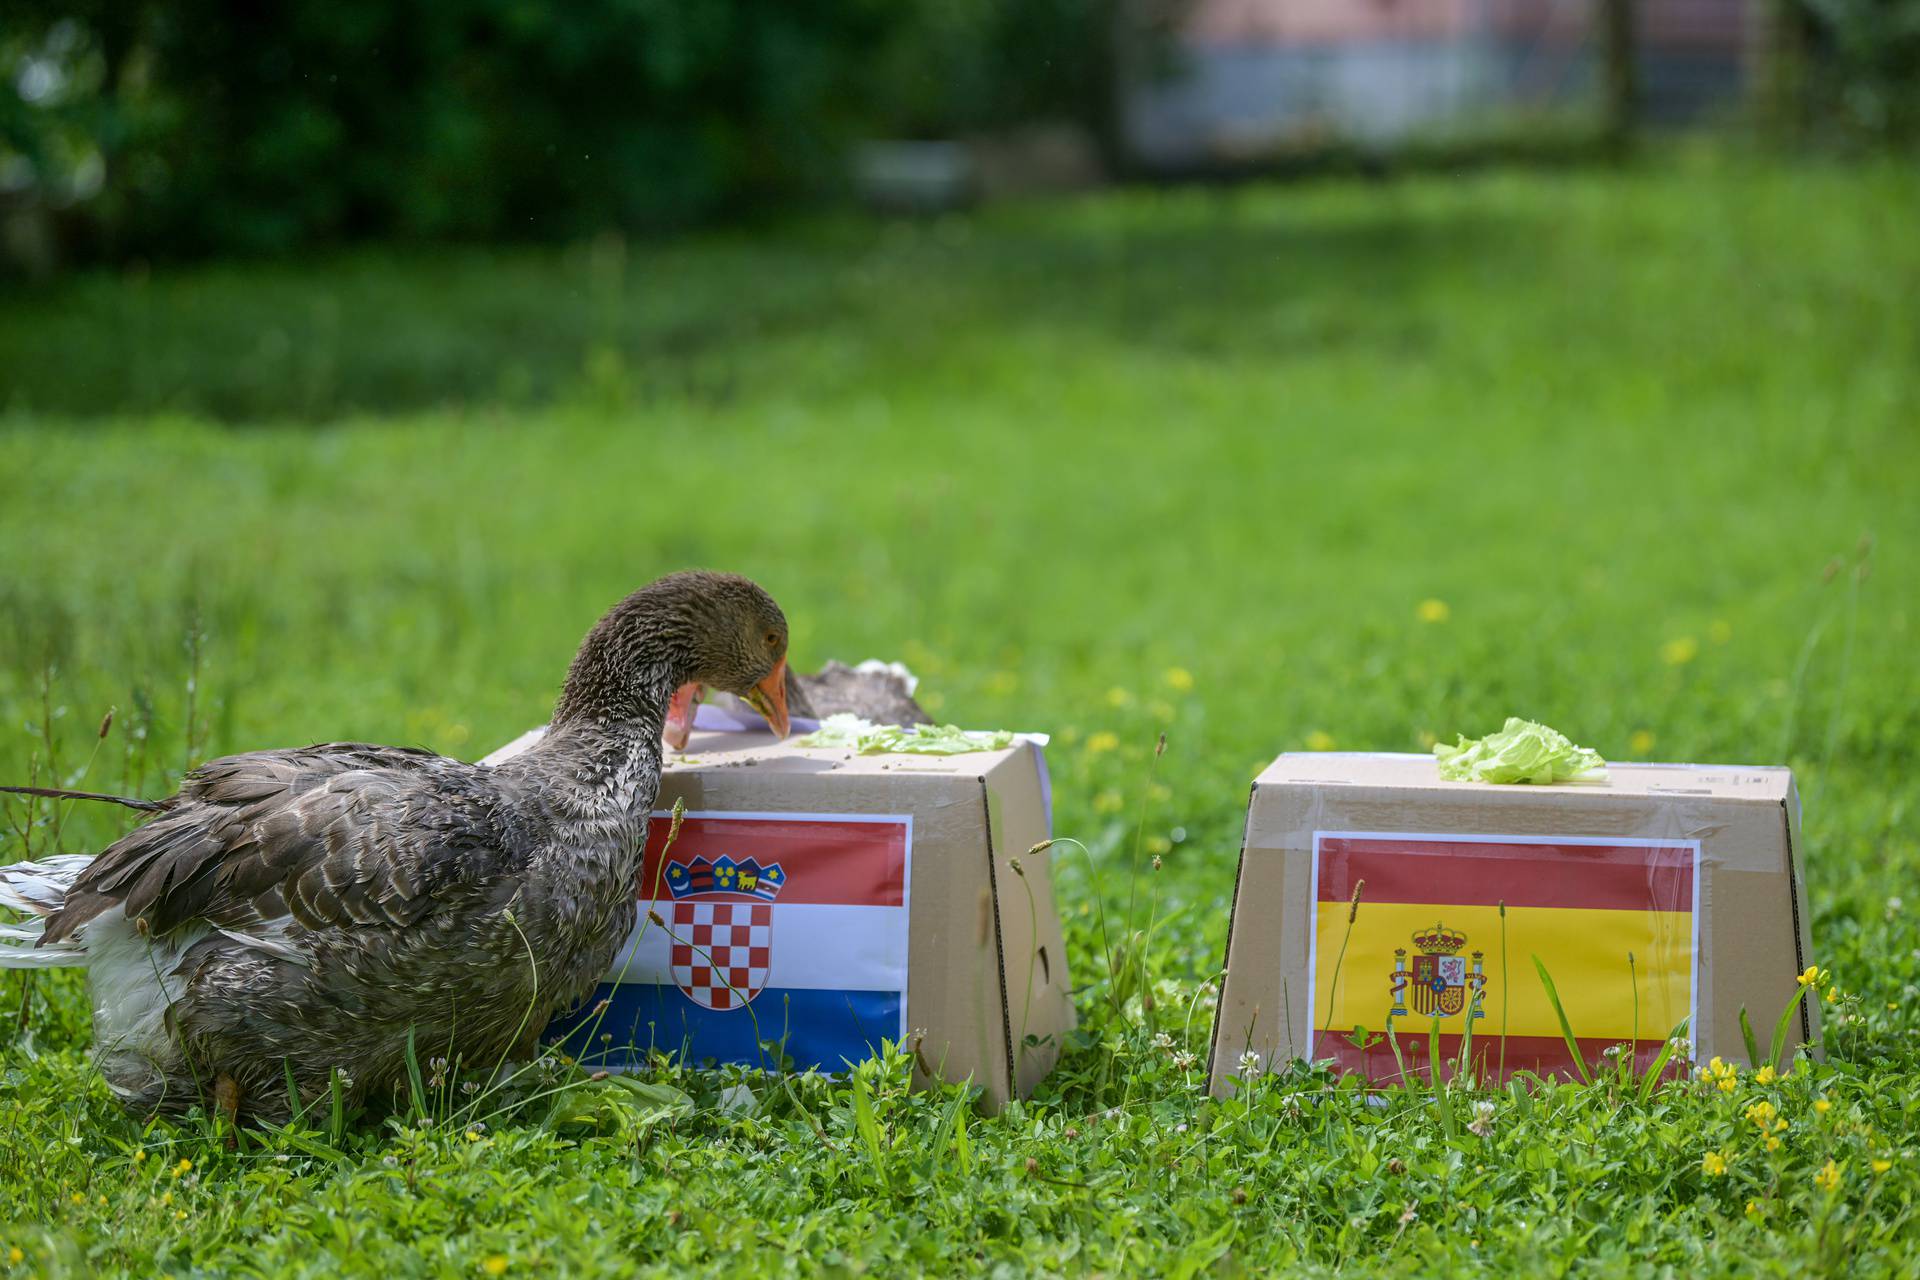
(869,739)
(1523,751)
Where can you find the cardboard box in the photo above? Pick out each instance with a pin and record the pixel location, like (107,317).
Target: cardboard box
(1693,869)
(827,900)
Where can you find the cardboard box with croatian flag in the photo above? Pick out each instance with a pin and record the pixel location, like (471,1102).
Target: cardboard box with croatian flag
(816,901)
(1372,895)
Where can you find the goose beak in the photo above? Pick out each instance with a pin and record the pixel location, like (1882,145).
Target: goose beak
(769,698)
(686,699)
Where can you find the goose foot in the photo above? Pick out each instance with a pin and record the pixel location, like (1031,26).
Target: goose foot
(226,1098)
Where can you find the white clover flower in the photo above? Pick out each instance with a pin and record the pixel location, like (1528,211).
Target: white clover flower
(1162,1040)
(1249,1064)
(1482,1122)
(1184,1060)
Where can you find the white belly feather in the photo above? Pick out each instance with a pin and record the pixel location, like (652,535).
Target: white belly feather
(132,977)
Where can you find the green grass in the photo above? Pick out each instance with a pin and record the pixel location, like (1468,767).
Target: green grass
(1633,429)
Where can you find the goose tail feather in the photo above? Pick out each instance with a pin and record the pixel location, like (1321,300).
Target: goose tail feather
(37,890)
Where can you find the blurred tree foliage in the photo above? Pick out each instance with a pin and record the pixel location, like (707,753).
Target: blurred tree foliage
(192,126)
(1865,73)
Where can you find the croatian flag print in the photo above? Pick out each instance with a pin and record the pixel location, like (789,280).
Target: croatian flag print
(761,936)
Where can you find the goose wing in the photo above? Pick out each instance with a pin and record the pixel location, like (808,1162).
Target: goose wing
(335,835)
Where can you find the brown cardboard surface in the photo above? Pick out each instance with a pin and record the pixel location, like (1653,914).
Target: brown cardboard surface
(987,973)
(1753,936)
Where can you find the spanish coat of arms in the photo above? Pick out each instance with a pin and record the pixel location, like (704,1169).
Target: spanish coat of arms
(1438,980)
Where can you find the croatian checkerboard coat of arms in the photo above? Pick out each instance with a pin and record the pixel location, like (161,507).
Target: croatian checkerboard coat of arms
(722,928)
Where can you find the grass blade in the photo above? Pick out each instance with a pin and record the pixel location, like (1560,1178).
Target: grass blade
(1442,1103)
(962,1144)
(1746,1034)
(1399,1061)
(413,1078)
(1566,1028)
(868,1127)
(1660,1061)
(1780,1027)
(295,1111)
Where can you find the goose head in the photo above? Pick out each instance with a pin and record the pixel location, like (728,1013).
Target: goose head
(652,652)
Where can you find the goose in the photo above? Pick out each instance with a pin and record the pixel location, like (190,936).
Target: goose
(306,912)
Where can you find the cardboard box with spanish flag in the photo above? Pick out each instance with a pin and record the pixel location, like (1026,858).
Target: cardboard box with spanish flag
(817,901)
(1373,895)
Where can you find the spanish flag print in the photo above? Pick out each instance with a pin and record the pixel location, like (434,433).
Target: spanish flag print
(1427,938)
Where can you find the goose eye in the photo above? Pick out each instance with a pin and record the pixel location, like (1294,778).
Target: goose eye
(773,639)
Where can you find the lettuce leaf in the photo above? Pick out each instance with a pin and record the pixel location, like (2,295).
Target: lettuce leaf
(869,739)
(1523,751)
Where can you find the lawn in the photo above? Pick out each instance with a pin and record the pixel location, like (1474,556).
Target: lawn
(1184,461)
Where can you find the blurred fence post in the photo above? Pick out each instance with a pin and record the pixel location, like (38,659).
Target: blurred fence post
(1620,79)
(1777,48)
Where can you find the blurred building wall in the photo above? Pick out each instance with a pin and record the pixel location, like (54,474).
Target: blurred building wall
(1258,76)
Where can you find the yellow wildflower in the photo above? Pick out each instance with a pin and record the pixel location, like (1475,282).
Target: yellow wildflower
(1833,996)
(1881,1166)
(1002,682)
(1105,740)
(180,1215)
(1764,1075)
(1179,678)
(15,1256)
(1829,1177)
(1755,1209)
(473,1135)
(1719,631)
(1811,976)
(1319,740)
(1773,1143)
(1762,1113)
(495,1264)
(1713,1164)
(1118,697)
(79,1197)
(166,1197)
(1433,611)
(1640,741)
(139,1156)
(1822,1106)
(1679,651)
(1108,801)
(1728,1084)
